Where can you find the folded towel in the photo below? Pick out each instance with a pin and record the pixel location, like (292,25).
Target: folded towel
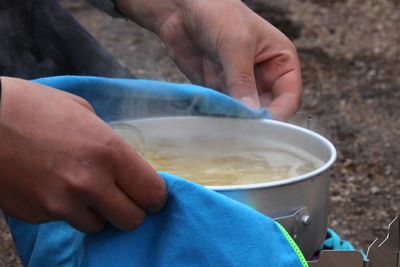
(197,227)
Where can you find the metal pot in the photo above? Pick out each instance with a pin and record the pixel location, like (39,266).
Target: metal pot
(298,203)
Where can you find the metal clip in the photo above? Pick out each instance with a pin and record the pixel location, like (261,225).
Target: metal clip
(301,119)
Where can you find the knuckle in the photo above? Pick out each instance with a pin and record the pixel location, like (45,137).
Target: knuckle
(105,150)
(82,186)
(240,84)
(84,103)
(285,62)
(245,39)
(55,209)
(82,183)
(240,41)
(289,56)
(77,179)
(284,58)
(243,78)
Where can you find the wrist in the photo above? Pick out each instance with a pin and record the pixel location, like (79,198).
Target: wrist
(150,14)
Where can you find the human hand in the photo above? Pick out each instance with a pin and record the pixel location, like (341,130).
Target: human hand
(226,46)
(59,161)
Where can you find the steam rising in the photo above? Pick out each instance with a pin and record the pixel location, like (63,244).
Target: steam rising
(217,155)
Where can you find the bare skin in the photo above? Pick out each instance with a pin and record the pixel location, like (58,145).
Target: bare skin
(224,45)
(58,160)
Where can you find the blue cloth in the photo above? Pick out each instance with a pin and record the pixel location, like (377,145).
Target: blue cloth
(334,242)
(197,227)
(115,99)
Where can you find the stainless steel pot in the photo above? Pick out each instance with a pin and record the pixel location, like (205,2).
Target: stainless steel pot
(298,203)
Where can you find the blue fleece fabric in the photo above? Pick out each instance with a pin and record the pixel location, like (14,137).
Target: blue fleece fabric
(197,227)
(116,99)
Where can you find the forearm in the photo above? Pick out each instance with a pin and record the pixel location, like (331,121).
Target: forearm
(149,14)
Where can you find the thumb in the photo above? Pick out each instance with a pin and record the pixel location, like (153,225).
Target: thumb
(240,79)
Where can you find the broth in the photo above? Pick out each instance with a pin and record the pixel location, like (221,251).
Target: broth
(209,163)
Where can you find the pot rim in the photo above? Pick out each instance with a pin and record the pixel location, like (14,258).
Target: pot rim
(277,183)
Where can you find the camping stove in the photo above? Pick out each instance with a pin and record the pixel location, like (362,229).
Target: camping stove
(383,252)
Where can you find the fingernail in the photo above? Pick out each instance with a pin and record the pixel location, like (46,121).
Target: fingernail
(248,101)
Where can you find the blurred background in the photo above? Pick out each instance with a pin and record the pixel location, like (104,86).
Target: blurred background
(350,54)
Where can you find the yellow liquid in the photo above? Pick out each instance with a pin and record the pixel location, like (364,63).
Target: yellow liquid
(211,164)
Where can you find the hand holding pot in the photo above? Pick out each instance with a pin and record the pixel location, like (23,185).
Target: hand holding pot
(58,160)
(226,46)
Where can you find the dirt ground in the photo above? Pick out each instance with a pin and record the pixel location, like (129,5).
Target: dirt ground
(350,57)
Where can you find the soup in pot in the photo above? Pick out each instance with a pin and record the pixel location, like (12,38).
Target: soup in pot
(210,163)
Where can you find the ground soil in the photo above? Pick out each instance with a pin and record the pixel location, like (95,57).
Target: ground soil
(350,56)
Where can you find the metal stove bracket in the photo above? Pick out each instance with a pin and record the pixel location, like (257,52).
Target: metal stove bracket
(338,258)
(384,252)
(296,222)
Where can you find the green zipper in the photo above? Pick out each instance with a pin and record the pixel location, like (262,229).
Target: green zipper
(294,246)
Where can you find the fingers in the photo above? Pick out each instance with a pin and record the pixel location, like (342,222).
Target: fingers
(288,96)
(139,181)
(118,209)
(283,107)
(86,221)
(237,58)
(279,82)
(82,102)
(121,193)
(131,189)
